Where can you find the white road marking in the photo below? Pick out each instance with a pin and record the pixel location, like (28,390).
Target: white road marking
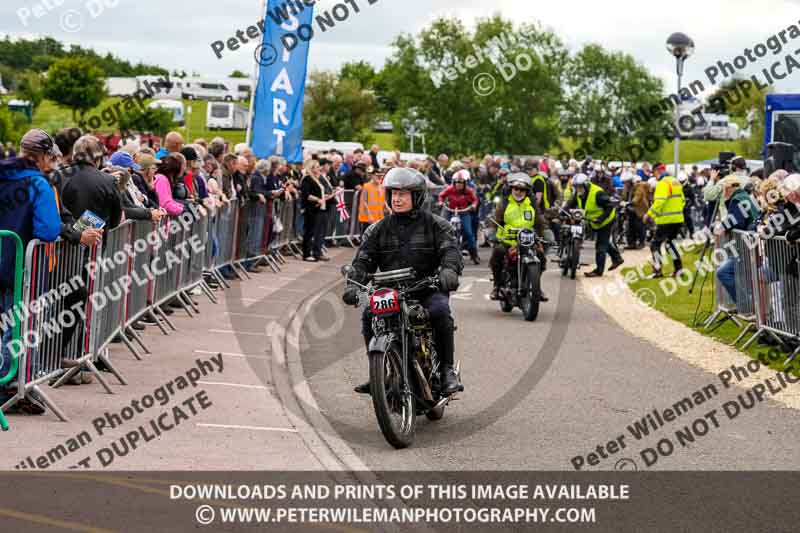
(251,315)
(254,428)
(230,354)
(238,385)
(237,332)
(279,289)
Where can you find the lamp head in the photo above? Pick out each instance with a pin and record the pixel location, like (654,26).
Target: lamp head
(680,45)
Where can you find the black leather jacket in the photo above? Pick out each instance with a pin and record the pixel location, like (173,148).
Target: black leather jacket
(423,241)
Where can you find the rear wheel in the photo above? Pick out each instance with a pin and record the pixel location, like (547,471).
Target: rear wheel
(574,259)
(530,303)
(395,411)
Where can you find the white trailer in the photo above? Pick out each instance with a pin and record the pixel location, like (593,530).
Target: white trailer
(226,116)
(122,86)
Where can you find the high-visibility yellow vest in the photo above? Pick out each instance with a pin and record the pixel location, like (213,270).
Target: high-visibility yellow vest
(545,199)
(518,215)
(593,211)
(371,203)
(668,202)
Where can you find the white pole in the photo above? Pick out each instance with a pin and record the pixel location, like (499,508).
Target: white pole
(253,88)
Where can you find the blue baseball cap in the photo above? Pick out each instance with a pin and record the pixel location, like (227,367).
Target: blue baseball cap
(124,159)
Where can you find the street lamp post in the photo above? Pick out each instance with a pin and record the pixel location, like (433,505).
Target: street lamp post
(681,47)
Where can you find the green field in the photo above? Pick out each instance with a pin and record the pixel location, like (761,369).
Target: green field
(691,150)
(681,306)
(51,118)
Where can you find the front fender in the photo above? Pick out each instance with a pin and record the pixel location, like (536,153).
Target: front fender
(379,343)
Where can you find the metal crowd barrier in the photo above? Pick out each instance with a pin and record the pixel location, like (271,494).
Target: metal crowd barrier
(725,306)
(52,270)
(11,351)
(745,250)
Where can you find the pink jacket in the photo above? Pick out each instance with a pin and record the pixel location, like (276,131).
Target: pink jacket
(164,192)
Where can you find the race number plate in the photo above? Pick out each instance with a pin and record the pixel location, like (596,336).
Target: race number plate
(385,301)
(577,231)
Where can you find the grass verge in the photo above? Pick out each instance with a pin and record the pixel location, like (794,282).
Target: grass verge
(674,300)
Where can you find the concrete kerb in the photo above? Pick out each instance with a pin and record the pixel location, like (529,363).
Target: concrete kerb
(296,395)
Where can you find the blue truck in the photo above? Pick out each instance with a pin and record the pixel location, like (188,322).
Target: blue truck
(783,120)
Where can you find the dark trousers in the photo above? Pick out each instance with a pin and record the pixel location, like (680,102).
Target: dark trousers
(438,306)
(313,232)
(636,230)
(604,245)
(498,257)
(666,233)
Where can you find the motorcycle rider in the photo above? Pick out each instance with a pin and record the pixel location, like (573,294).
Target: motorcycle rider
(516,211)
(412,237)
(460,197)
(601,211)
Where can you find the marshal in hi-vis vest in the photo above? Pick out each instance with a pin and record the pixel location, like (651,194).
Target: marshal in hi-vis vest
(668,202)
(593,211)
(371,203)
(518,215)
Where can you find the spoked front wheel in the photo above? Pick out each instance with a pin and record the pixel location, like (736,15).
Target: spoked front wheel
(395,410)
(530,303)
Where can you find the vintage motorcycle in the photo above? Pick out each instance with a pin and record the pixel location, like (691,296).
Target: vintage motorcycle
(570,241)
(403,362)
(520,284)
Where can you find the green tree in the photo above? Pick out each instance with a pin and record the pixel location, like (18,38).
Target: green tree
(338,109)
(604,89)
(469,89)
(30,88)
(237,74)
(154,120)
(75,83)
(12,126)
(359,71)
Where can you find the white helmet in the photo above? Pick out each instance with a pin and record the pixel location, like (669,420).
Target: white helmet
(682,177)
(462,175)
(580,180)
(521,180)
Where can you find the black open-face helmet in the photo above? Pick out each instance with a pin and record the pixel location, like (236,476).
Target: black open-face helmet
(405,179)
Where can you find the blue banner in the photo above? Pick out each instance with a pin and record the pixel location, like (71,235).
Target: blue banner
(278,107)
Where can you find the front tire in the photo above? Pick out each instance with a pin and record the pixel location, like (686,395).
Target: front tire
(574,259)
(530,304)
(396,414)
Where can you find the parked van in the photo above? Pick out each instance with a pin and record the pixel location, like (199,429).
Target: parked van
(175,106)
(226,116)
(243,87)
(720,130)
(196,88)
(161,86)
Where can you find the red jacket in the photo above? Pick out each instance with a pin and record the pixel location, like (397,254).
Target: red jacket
(454,199)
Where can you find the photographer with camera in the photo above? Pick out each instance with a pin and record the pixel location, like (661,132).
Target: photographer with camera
(734,166)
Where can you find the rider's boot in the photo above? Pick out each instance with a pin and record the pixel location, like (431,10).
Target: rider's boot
(495,295)
(450,383)
(475,258)
(363,388)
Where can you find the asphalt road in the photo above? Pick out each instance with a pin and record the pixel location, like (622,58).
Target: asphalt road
(540,394)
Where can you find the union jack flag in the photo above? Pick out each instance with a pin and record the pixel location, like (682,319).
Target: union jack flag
(341,207)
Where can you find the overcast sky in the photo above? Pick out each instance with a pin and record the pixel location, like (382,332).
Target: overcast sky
(177,34)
